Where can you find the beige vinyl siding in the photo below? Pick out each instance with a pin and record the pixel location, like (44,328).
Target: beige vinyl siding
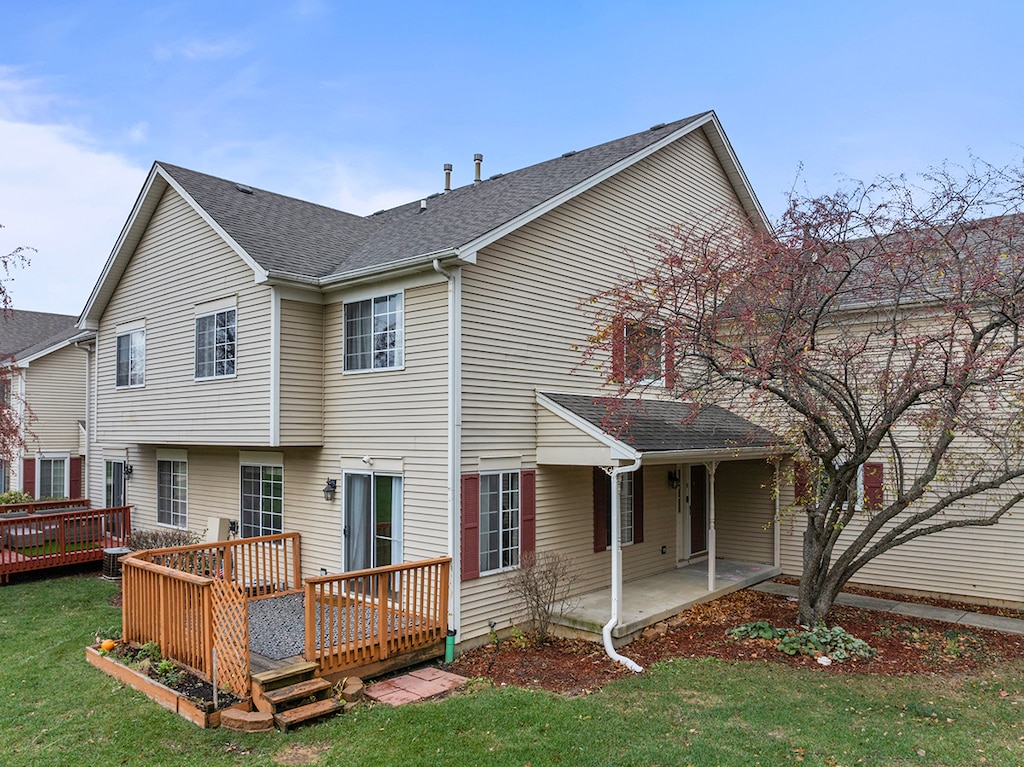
(168,275)
(55,388)
(744,510)
(566,495)
(974,564)
(302,373)
(393,414)
(560,442)
(522,318)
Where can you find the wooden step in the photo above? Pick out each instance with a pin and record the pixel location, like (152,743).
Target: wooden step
(294,716)
(282,695)
(280,677)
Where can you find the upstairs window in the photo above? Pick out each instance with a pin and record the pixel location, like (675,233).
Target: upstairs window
(374,334)
(641,354)
(131,358)
(215,344)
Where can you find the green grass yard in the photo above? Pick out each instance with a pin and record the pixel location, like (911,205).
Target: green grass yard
(59,710)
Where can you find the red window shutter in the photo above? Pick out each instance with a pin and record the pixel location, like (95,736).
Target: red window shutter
(28,476)
(618,350)
(801,481)
(528,512)
(602,505)
(638,506)
(75,478)
(470,526)
(874,492)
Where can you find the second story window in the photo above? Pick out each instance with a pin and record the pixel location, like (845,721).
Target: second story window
(215,344)
(131,358)
(374,333)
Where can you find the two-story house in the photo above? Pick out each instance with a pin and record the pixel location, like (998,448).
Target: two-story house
(254,353)
(44,362)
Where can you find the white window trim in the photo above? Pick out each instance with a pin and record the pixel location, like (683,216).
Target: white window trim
(344,333)
(519,547)
(181,456)
(212,309)
(397,526)
(130,329)
(259,464)
(48,456)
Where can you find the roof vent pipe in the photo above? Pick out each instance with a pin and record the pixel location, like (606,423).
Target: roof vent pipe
(478,159)
(447,176)
(423,205)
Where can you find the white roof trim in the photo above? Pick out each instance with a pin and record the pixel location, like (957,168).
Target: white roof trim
(145,204)
(25,361)
(259,272)
(470,249)
(619,450)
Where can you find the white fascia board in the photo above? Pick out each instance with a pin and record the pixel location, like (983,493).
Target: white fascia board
(727,156)
(446,257)
(75,339)
(724,455)
(259,272)
(559,199)
(619,450)
(129,237)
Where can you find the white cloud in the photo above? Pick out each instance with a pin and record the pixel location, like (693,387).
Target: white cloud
(66,200)
(138,132)
(362,191)
(199,50)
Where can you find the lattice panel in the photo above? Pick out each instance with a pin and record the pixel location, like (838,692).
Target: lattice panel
(231,636)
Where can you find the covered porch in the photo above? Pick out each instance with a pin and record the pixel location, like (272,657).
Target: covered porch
(692,507)
(647,601)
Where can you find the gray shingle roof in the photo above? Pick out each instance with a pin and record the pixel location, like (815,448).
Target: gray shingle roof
(666,426)
(23,333)
(290,236)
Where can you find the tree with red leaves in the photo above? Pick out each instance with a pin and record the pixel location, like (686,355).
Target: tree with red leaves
(10,418)
(877,332)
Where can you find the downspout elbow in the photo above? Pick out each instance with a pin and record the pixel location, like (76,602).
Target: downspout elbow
(609,648)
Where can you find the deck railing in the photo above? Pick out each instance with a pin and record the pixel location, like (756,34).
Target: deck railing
(193,600)
(359,618)
(34,540)
(34,507)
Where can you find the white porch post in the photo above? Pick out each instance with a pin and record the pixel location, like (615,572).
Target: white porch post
(777,534)
(711,524)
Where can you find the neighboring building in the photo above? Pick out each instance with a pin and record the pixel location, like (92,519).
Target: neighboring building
(46,384)
(250,347)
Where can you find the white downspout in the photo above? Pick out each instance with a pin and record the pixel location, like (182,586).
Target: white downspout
(777,534)
(275,367)
(454,278)
(617,567)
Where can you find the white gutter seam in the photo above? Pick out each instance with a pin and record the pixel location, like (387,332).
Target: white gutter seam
(617,568)
(454,278)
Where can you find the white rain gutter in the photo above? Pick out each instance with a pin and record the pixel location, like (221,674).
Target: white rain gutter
(454,278)
(617,567)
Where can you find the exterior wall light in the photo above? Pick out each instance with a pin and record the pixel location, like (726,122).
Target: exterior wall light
(673,478)
(330,489)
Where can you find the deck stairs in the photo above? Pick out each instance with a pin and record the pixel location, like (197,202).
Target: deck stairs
(294,694)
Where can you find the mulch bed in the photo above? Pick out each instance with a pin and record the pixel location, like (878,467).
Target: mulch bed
(903,645)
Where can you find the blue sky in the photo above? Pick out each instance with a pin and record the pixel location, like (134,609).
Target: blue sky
(358,105)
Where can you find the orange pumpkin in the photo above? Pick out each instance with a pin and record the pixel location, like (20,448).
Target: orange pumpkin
(107,644)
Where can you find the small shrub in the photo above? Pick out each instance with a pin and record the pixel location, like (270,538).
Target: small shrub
(168,672)
(150,651)
(756,630)
(162,539)
(14,496)
(543,581)
(835,642)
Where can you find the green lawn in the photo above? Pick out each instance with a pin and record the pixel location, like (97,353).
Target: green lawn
(61,711)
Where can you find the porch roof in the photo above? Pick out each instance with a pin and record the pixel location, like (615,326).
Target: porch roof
(661,431)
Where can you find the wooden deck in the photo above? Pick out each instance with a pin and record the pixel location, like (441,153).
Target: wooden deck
(57,533)
(194,602)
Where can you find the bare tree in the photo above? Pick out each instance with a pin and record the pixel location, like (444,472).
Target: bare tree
(877,332)
(543,581)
